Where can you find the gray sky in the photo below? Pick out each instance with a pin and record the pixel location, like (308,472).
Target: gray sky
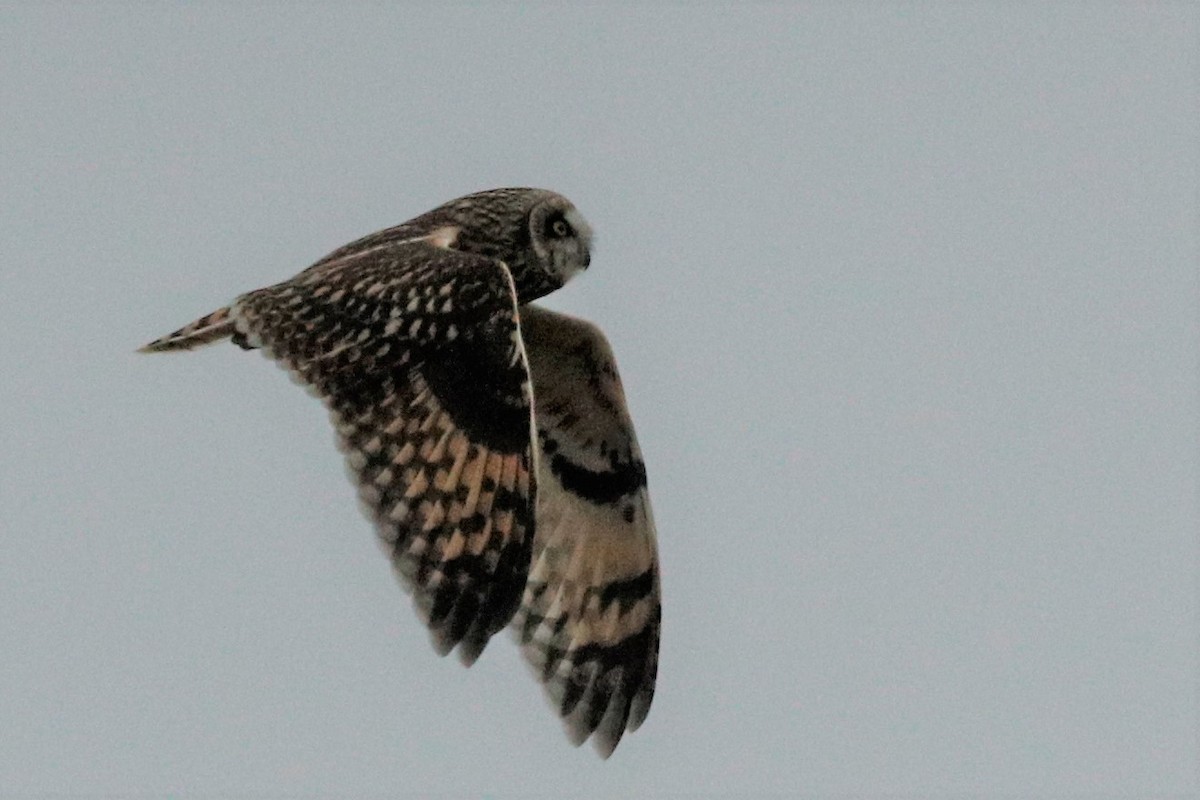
(905,301)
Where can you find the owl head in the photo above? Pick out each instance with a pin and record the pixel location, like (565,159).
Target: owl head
(560,240)
(538,234)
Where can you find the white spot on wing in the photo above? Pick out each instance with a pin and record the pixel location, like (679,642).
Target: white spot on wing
(444,237)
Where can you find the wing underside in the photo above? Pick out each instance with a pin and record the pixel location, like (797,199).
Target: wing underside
(590,614)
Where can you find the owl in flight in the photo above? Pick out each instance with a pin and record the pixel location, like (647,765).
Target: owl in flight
(488,437)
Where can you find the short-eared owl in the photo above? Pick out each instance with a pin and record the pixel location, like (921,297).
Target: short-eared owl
(489,438)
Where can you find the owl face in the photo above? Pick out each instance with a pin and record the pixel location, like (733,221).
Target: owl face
(560,240)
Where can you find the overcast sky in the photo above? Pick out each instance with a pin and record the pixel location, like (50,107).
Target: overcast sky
(905,301)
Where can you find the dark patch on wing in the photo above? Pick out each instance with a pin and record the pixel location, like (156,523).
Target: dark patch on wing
(604,487)
(631,656)
(629,591)
(482,398)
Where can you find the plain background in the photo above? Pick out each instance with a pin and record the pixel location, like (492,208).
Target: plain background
(904,297)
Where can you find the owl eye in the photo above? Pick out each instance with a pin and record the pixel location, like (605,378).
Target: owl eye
(557,228)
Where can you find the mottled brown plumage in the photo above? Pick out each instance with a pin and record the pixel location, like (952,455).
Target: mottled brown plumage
(499,496)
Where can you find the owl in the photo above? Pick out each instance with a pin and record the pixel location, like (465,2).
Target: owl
(488,437)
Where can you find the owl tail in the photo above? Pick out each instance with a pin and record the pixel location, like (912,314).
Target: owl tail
(206,330)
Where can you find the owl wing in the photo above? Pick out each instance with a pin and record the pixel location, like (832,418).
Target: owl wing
(416,350)
(590,615)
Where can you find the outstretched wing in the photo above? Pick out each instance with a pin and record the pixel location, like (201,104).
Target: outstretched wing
(417,352)
(590,615)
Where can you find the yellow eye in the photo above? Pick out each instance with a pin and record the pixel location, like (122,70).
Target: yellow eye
(559,229)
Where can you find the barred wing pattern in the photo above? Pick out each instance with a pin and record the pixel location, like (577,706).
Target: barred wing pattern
(416,350)
(590,615)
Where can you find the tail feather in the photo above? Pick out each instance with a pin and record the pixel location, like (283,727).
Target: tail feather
(206,330)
